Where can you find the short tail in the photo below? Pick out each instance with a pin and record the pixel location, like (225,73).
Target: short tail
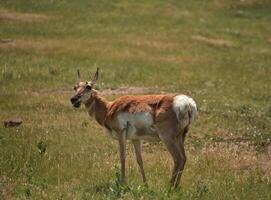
(192,111)
(185,109)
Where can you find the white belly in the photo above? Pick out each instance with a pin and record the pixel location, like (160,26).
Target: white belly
(140,125)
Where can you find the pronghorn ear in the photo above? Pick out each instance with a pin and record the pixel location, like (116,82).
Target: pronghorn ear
(78,76)
(95,77)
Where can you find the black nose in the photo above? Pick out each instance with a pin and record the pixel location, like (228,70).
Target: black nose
(74,99)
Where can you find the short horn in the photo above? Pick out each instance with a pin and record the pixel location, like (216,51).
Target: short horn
(78,76)
(95,77)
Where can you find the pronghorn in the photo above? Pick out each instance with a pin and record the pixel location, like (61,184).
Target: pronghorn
(143,117)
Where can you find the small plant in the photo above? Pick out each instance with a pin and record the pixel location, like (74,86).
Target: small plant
(52,71)
(117,189)
(202,189)
(7,74)
(245,109)
(27,192)
(41,147)
(29,170)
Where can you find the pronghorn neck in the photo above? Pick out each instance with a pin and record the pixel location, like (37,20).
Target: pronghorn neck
(97,107)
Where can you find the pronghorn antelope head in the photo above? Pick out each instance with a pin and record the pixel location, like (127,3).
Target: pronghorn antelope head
(83,90)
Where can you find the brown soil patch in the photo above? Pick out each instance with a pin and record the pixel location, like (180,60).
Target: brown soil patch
(42,46)
(22,17)
(214,42)
(233,3)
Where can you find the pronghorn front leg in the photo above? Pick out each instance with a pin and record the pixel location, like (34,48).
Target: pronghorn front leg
(122,142)
(137,146)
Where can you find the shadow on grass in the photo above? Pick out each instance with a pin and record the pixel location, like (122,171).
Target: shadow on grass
(115,191)
(101,188)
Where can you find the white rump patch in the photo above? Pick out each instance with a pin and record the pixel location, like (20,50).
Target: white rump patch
(181,106)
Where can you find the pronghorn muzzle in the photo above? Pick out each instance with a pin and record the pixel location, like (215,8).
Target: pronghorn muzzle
(76,102)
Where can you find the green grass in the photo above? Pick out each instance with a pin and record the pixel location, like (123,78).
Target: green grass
(217,52)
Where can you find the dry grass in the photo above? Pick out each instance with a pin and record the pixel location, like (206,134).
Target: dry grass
(241,158)
(100,48)
(22,17)
(149,42)
(233,3)
(215,42)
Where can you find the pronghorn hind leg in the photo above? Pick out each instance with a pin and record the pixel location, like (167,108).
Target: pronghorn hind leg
(181,150)
(137,146)
(179,167)
(173,148)
(183,135)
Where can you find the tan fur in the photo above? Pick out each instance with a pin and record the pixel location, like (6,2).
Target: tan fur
(154,104)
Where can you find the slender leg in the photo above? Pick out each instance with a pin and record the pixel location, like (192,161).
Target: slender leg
(180,145)
(173,149)
(122,142)
(177,171)
(137,146)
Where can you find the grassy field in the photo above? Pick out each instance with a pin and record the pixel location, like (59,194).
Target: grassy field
(218,52)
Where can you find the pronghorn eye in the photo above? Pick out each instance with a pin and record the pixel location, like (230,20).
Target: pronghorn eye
(88,87)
